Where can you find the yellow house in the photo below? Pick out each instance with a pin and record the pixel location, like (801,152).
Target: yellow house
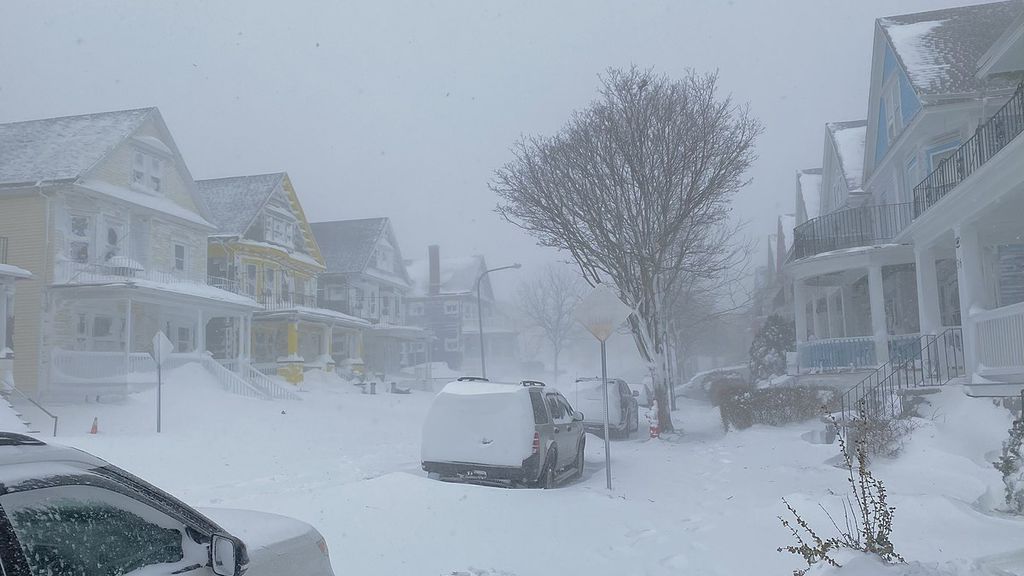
(263,248)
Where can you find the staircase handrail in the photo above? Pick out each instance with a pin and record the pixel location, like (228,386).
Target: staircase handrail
(12,388)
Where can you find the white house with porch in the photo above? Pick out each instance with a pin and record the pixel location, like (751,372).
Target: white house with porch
(920,244)
(103,210)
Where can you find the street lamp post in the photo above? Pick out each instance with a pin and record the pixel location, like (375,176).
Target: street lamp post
(480,314)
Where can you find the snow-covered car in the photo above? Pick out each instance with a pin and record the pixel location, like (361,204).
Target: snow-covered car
(623,408)
(502,433)
(63,511)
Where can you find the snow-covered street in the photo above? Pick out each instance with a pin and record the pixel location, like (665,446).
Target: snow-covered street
(703,503)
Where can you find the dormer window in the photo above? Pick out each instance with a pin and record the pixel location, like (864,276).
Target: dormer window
(147,171)
(279,231)
(893,109)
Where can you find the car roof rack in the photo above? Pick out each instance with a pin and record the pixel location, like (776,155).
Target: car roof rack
(12,439)
(472,379)
(532,383)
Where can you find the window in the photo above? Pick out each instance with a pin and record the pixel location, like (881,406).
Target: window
(250,279)
(893,108)
(451,344)
(385,258)
(451,307)
(555,408)
(92,531)
(147,171)
(416,308)
(279,231)
(268,281)
(180,257)
(81,233)
(184,341)
(102,327)
(540,416)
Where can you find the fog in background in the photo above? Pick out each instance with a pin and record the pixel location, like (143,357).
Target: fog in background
(404,109)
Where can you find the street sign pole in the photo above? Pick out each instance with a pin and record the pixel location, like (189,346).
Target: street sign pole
(162,348)
(607,443)
(601,312)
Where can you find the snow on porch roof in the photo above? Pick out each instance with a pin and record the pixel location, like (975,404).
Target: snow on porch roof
(186,289)
(12,271)
(849,141)
(57,149)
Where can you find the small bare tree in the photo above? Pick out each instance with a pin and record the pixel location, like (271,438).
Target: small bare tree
(637,188)
(548,300)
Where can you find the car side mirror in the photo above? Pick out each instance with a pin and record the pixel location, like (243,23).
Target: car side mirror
(227,555)
(577,416)
(635,393)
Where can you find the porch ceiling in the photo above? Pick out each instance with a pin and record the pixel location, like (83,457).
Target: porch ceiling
(851,259)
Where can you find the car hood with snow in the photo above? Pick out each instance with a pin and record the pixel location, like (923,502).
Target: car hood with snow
(276,544)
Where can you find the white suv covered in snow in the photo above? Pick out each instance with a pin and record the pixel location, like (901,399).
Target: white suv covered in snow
(491,432)
(63,511)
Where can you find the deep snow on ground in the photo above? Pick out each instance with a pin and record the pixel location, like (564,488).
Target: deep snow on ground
(703,502)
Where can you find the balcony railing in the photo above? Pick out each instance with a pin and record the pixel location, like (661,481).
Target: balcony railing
(988,139)
(851,228)
(3,250)
(274,301)
(70,272)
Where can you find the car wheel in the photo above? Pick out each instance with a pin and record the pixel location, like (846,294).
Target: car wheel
(547,476)
(580,463)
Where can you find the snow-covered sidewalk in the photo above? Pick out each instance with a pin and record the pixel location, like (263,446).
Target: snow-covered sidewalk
(705,503)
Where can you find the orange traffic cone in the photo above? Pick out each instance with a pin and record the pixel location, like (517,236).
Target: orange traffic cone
(95,426)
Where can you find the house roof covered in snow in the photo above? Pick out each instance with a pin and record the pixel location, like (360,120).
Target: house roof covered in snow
(347,245)
(458,275)
(848,139)
(940,49)
(808,194)
(62,149)
(235,202)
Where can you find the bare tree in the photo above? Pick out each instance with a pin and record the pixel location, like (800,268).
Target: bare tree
(637,188)
(548,300)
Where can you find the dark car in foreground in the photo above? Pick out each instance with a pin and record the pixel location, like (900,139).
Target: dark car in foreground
(63,511)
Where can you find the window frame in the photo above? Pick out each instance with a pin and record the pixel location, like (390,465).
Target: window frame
(184,260)
(150,178)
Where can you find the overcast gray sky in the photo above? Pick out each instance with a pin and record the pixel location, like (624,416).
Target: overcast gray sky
(404,109)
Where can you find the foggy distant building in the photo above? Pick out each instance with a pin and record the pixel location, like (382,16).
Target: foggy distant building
(443,300)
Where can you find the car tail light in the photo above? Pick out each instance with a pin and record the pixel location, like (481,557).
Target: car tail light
(536,442)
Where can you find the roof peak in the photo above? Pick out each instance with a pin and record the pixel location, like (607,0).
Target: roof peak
(146,110)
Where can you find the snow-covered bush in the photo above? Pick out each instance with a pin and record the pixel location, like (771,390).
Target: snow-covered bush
(1011,465)
(867,518)
(881,435)
(768,350)
(744,407)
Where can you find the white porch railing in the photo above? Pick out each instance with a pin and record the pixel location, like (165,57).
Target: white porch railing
(266,386)
(78,374)
(1000,337)
(122,270)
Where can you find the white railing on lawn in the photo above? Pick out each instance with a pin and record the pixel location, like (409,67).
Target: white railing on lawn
(270,386)
(1000,336)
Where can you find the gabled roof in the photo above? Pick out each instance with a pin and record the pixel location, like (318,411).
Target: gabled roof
(808,194)
(849,140)
(458,275)
(234,202)
(347,245)
(940,49)
(62,149)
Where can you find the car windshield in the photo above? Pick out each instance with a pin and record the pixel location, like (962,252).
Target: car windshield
(461,288)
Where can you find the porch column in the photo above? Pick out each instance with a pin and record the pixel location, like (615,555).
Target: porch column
(4,291)
(200,332)
(971,282)
(927,290)
(846,308)
(799,311)
(325,347)
(128,336)
(290,367)
(828,314)
(240,333)
(878,326)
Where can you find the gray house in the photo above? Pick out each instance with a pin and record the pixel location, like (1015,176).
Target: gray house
(366,278)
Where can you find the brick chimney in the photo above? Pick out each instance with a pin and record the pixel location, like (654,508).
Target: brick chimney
(434,252)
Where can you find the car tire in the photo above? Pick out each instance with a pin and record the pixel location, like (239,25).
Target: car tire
(580,460)
(547,476)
